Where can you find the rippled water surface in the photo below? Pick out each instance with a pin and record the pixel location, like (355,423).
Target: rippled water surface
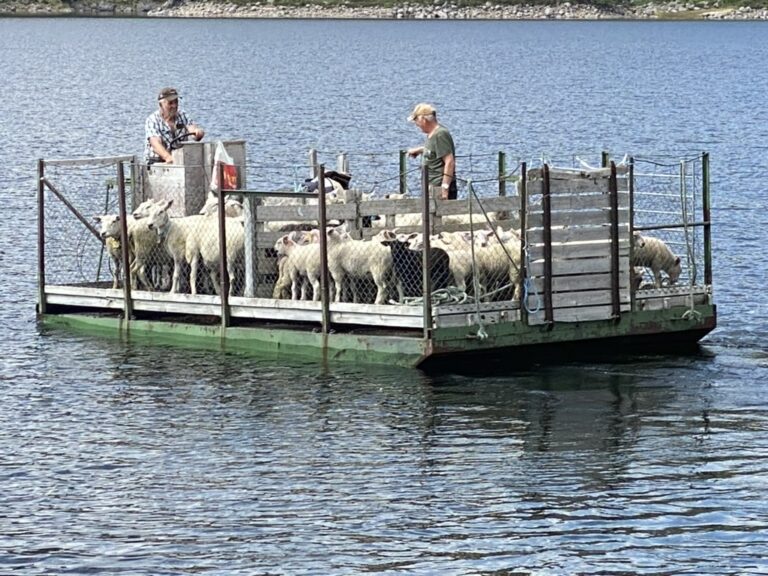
(123,458)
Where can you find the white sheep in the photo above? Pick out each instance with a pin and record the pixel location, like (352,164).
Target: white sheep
(356,259)
(143,246)
(207,248)
(173,233)
(296,237)
(653,253)
(300,260)
(109,231)
(233,206)
(499,260)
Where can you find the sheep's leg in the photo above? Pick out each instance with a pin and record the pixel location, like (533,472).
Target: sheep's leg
(116,274)
(295,285)
(215,281)
(315,289)
(176,281)
(381,289)
(353,288)
(232,271)
(140,272)
(657,277)
(283,280)
(338,280)
(193,264)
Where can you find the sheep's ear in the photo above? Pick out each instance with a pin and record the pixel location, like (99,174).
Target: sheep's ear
(167,204)
(97,218)
(677,261)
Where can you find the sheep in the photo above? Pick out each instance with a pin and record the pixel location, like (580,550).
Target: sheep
(302,260)
(109,231)
(204,243)
(143,245)
(173,233)
(653,253)
(497,260)
(407,266)
(282,244)
(233,206)
(355,259)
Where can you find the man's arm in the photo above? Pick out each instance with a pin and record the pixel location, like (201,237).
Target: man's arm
(196,131)
(449,170)
(157,145)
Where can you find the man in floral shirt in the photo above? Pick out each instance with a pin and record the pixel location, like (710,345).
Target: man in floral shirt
(167,127)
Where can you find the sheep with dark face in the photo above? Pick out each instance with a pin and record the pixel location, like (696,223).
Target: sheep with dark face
(407,265)
(653,253)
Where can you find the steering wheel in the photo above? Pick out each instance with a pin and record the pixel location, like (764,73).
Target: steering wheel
(180,138)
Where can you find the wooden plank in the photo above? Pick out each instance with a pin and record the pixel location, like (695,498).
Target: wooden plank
(560,173)
(489,204)
(391,207)
(573,202)
(586,314)
(584,266)
(586,298)
(581,218)
(576,186)
(84,301)
(561,234)
(669,301)
(581,282)
(573,250)
(96,161)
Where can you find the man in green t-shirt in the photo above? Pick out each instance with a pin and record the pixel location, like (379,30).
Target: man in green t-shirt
(439,152)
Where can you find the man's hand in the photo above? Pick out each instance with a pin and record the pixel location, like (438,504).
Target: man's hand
(196,131)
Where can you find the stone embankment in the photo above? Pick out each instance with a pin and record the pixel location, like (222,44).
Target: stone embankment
(448,11)
(438,10)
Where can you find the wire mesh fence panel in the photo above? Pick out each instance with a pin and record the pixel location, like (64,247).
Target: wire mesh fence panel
(668,208)
(75,252)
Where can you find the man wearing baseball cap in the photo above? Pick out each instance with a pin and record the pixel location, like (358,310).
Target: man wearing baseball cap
(167,128)
(438,151)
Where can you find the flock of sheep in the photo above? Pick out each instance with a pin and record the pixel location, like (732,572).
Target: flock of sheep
(389,263)
(395,264)
(157,241)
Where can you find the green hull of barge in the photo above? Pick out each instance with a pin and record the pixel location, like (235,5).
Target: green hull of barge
(660,330)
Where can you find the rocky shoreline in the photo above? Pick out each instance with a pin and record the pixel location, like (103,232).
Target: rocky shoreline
(438,10)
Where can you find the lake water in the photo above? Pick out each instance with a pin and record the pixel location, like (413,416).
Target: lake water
(122,458)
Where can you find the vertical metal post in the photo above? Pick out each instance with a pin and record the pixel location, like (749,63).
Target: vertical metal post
(313,170)
(403,174)
(523,241)
(546,206)
(322,220)
(426,262)
(124,248)
(502,174)
(613,198)
(41,304)
(223,274)
(342,163)
(249,246)
(631,182)
(706,208)
(312,162)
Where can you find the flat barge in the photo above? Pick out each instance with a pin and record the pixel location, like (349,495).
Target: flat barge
(537,259)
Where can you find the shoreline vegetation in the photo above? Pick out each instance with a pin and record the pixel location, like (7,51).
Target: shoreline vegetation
(394,9)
